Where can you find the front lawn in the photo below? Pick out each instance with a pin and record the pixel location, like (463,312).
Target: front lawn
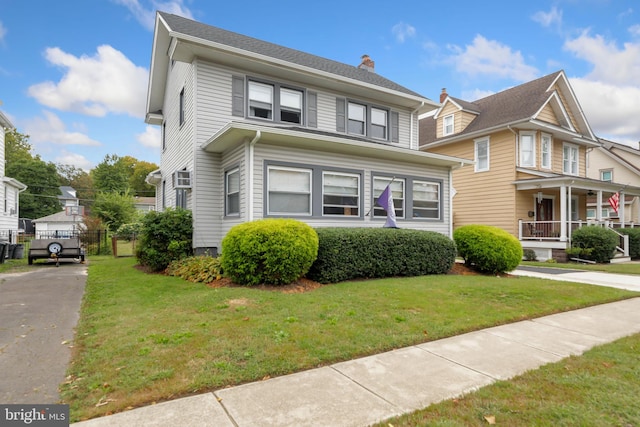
(147,338)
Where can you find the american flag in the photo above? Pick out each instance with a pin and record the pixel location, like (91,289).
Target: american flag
(614,201)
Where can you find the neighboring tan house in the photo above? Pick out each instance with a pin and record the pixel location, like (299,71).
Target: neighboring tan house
(10,190)
(529,144)
(618,163)
(255,130)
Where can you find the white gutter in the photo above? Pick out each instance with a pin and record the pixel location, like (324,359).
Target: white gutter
(253,142)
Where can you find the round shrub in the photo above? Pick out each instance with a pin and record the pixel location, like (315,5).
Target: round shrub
(488,249)
(269,251)
(602,242)
(165,236)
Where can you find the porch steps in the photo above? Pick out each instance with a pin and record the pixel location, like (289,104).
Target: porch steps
(619,258)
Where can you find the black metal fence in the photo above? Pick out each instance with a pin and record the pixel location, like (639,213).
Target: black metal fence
(94,242)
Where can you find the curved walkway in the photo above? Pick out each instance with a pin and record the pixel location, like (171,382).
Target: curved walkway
(371,389)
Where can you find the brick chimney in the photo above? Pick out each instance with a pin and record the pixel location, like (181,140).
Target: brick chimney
(367,63)
(443,95)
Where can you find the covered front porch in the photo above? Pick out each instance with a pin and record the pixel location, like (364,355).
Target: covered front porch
(549,209)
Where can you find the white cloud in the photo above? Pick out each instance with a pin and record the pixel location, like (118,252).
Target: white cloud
(475,94)
(547,19)
(610,93)
(491,58)
(107,82)
(150,138)
(3,32)
(147,16)
(610,64)
(634,30)
(403,31)
(50,129)
(75,159)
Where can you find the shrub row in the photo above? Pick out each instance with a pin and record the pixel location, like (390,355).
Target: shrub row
(351,253)
(488,249)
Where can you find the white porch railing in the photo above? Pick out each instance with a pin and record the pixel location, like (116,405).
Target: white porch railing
(551,231)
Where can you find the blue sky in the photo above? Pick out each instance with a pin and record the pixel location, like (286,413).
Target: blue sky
(74,73)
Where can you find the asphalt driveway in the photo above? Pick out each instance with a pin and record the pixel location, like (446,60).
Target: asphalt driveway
(39,309)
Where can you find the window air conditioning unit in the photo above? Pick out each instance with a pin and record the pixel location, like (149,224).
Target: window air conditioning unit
(12,211)
(182,179)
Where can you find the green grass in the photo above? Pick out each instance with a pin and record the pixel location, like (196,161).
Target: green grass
(599,388)
(145,338)
(622,268)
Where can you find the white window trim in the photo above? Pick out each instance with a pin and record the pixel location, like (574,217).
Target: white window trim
(438,200)
(542,164)
(602,171)
(378,211)
(571,147)
(475,153)
(444,124)
(227,193)
(358,195)
(533,149)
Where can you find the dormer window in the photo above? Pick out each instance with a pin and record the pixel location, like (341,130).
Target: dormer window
(447,125)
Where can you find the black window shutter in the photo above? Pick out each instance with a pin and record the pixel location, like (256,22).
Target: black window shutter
(341,115)
(395,126)
(312,109)
(237,88)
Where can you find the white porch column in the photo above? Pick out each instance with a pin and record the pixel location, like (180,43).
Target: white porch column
(599,206)
(621,209)
(563,213)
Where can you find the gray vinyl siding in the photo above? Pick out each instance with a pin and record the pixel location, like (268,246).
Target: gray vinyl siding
(178,153)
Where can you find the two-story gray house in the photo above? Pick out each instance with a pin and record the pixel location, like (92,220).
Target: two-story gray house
(255,130)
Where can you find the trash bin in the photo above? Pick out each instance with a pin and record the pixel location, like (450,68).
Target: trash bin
(3,251)
(10,248)
(18,251)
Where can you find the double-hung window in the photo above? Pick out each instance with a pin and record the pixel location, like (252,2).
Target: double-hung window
(447,125)
(275,102)
(379,123)
(528,149)
(357,118)
(232,192)
(481,154)
(606,175)
(181,198)
(397,192)
(340,193)
(545,148)
(570,165)
(426,199)
(288,191)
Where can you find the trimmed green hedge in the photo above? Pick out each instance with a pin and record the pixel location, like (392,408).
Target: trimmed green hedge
(354,253)
(601,240)
(488,249)
(634,241)
(270,251)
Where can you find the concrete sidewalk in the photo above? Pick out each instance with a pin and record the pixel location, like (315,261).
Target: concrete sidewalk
(371,389)
(621,281)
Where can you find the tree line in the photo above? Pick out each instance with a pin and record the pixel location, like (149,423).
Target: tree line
(107,191)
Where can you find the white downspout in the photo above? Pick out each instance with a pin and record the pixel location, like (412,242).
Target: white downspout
(412,114)
(452,194)
(253,142)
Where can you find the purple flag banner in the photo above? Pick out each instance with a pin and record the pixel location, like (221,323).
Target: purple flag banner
(386,202)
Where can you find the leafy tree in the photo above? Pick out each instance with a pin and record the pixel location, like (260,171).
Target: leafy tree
(80,180)
(16,147)
(138,171)
(41,197)
(111,175)
(114,209)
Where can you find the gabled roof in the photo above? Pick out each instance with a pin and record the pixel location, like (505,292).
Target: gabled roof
(515,105)
(60,217)
(608,148)
(4,121)
(185,39)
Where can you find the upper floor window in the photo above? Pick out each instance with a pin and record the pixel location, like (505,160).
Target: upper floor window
(481,154)
(274,102)
(447,125)
(545,148)
(232,192)
(379,123)
(181,107)
(527,149)
(357,118)
(570,162)
(606,175)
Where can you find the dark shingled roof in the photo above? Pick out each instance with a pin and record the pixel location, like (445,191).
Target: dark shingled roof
(511,105)
(249,44)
